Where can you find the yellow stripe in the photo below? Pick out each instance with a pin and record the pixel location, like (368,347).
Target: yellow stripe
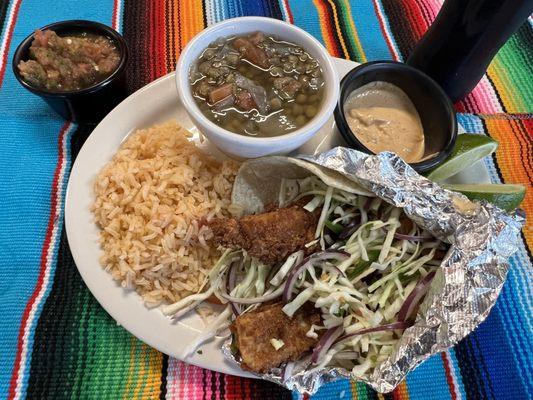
(353,387)
(127,388)
(140,373)
(338,28)
(498,75)
(330,46)
(154,361)
(356,35)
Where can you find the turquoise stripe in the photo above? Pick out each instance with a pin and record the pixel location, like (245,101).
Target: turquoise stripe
(369,31)
(515,323)
(54,252)
(389,30)
(305,16)
(218,8)
(234,8)
(341,390)
(432,370)
(29,143)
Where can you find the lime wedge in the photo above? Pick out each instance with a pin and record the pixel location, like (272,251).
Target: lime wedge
(468,149)
(507,197)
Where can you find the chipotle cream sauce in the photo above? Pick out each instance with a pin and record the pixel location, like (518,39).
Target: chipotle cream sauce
(383,118)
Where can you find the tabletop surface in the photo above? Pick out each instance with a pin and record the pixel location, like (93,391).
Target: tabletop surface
(57,342)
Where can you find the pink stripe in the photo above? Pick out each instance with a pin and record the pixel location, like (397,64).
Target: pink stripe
(486,98)
(171,379)
(433,7)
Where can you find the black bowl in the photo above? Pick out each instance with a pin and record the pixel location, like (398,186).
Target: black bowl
(87,105)
(433,105)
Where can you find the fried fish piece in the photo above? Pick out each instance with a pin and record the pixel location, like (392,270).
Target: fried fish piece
(270,236)
(254,331)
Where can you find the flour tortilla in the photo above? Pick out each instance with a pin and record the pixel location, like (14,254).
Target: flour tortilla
(258,181)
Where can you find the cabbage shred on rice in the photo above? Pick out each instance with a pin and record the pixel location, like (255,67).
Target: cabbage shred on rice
(150,201)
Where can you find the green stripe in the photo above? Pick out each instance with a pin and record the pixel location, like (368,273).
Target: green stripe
(78,350)
(348,33)
(514,64)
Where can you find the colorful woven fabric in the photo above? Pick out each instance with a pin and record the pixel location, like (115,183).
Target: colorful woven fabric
(57,342)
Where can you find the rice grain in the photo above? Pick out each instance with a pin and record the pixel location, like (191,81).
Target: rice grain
(151,201)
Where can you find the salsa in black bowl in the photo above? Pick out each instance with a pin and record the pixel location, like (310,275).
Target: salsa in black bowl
(78,67)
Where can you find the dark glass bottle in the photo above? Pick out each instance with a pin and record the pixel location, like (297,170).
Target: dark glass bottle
(463,39)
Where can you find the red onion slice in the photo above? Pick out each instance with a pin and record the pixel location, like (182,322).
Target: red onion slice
(412,301)
(325,342)
(338,255)
(413,238)
(382,328)
(335,269)
(231,280)
(231,277)
(350,228)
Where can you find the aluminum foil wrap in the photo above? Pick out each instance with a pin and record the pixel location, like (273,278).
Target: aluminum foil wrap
(482,238)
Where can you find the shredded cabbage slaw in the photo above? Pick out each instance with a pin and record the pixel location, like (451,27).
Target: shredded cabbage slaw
(369,266)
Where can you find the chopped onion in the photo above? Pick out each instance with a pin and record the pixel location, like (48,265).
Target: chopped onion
(325,342)
(411,302)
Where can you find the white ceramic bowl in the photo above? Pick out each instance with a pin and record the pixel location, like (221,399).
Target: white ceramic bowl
(246,146)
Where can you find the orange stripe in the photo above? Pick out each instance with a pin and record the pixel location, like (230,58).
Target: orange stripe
(513,162)
(401,392)
(159,28)
(338,29)
(176,39)
(326,28)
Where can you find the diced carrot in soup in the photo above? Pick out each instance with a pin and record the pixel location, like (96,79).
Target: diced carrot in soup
(220,93)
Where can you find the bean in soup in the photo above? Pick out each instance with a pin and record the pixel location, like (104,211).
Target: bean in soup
(69,63)
(257,85)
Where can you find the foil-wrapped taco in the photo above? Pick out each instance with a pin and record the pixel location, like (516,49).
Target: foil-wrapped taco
(349,265)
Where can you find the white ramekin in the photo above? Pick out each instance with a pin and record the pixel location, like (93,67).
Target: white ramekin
(246,146)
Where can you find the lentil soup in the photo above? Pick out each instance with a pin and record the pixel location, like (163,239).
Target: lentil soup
(257,85)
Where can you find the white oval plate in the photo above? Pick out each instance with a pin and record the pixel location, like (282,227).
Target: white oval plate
(157,102)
